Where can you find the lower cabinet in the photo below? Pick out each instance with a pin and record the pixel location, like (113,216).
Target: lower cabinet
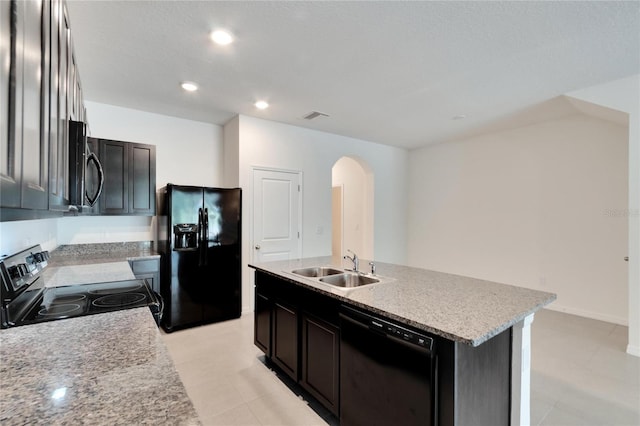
(285,338)
(148,269)
(262,323)
(297,330)
(320,373)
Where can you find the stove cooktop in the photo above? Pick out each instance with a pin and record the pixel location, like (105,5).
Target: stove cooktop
(26,300)
(86,299)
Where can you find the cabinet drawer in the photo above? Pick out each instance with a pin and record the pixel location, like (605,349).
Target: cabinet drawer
(144,266)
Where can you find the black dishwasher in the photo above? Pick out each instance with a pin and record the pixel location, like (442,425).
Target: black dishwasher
(387,372)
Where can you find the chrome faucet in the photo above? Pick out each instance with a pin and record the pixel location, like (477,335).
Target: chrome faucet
(353,259)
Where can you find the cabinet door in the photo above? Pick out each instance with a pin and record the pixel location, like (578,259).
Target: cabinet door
(285,338)
(320,373)
(10,155)
(115,193)
(262,323)
(142,179)
(35,147)
(58,132)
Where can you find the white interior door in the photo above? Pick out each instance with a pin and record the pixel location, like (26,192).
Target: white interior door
(276,215)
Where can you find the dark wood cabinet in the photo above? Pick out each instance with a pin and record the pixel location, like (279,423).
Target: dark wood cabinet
(262,323)
(129,178)
(24,166)
(10,158)
(320,369)
(285,338)
(142,179)
(298,331)
(115,165)
(149,270)
(40,92)
(59,189)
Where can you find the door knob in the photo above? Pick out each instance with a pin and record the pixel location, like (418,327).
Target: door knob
(626,258)
(257,247)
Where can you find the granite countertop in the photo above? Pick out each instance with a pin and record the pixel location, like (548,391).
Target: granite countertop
(461,309)
(91,263)
(90,254)
(51,374)
(55,276)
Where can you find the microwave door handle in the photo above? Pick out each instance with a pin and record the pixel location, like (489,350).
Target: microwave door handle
(92,200)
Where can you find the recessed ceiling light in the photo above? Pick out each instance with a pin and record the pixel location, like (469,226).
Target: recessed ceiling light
(221,37)
(189,86)
(261,105)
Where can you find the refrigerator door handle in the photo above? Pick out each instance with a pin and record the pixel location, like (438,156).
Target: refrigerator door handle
(205,236)
(200,236)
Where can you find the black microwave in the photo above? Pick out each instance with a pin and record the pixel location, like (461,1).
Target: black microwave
(86,177)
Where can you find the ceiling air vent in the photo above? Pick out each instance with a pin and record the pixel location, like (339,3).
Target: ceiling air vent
(315,114)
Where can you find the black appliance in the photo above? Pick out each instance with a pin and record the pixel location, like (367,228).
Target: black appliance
(199,239)
(26,300)
(86,176)
(386,368)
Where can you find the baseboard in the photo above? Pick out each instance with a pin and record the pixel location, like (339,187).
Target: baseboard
(588,314)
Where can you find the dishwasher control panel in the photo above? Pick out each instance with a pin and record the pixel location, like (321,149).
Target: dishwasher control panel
(389,328)
(401,333)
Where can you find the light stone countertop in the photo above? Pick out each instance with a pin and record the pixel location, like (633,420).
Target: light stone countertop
(461,309)
(111,368)
(55,276)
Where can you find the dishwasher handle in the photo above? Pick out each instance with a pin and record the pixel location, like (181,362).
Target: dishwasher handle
(395,332)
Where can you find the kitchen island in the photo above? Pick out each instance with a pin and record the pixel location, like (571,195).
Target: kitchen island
(480,331)
(111,368)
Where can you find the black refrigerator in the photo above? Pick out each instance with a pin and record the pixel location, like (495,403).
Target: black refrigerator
(198,238)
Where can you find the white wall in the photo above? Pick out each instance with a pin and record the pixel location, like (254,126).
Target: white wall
(19,235)
(624,95)
(534,206)
(187,152)
(270,144)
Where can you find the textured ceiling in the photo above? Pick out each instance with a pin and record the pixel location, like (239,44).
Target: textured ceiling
(389,72)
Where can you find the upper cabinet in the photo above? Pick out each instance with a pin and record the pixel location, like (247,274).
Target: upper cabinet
(40,92)
(25,146)
(130,178)
(58,108)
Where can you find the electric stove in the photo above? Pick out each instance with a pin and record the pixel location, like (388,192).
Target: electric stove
(26,300)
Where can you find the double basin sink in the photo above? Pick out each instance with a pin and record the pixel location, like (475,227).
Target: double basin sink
(336,277)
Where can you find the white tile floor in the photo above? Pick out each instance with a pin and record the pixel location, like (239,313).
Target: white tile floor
(580,375)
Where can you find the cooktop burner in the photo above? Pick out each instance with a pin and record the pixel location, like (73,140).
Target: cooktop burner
(59,310)
(122,299)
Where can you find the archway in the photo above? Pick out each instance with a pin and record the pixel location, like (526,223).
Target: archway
(352,207)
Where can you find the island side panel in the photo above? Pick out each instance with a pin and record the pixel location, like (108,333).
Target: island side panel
(482,382)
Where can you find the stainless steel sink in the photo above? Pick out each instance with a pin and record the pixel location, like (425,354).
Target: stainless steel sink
(349,280)
(321,271)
